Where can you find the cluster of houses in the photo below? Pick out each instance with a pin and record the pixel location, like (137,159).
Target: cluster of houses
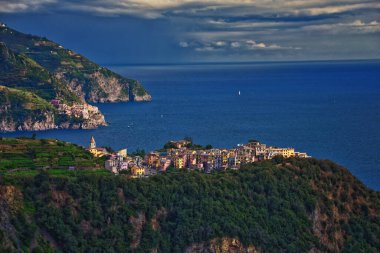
(207,160)
(182,155)
(119,161)
(76,110)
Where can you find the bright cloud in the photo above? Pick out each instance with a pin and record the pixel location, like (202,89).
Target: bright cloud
(183,44)
(357,26)
(243,45)
(23,5)
(235,44)
(220,43)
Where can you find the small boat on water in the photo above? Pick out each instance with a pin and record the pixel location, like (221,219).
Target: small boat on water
(239,92)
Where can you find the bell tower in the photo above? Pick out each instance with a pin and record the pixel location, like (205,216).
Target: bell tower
(92,142)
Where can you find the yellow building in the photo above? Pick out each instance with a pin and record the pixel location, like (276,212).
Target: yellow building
(97,152)
(179,163)
(152,158)
(137,171)
(123,152)
(224,157)
(288,152)
(285,152)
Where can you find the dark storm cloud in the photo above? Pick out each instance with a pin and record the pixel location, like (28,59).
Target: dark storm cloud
(235,29)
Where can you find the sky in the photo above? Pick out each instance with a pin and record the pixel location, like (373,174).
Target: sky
(174,31)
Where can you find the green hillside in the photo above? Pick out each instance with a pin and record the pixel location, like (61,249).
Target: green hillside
(293,205)
(20,106)
(83,77)
(22,100)
(20,154)
(22,72)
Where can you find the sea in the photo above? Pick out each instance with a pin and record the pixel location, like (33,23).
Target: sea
(331,110)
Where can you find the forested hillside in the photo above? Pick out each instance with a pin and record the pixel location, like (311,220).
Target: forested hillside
(293,205)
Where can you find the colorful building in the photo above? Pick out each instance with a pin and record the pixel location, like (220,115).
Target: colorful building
(180,143)
(97,152)
(179,162)
(137,171)
(152,158)
(123,152)
(164,163)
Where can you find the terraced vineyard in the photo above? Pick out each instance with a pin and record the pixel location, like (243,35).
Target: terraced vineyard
(30,154)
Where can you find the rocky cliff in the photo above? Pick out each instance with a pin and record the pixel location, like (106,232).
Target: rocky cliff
(221,245)
(47,70)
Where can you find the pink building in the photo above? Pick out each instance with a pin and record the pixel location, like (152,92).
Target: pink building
(164,164)
(55,102)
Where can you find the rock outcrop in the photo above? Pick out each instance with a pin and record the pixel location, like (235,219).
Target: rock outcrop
(143,98)
(221,245)
(137,224)
(10,203)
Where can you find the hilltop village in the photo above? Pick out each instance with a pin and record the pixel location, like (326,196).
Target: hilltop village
(183,154)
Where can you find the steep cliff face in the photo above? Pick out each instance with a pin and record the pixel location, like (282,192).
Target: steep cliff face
(221,245)
(29,123)
(101,88)
(47,121)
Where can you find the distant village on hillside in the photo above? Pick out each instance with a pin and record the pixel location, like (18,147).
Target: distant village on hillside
(183,154)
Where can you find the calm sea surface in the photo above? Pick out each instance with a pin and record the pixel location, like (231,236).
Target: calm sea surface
(329,110)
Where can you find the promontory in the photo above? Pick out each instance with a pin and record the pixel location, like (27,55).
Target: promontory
(45,86)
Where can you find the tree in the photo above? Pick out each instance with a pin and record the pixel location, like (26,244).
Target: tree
(109,149)
(169,145)
(189,139)
(139,152)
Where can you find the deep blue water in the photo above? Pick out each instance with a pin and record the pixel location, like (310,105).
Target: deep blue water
(329,110)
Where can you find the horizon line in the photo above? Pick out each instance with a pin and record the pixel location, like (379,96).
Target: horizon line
(236,62)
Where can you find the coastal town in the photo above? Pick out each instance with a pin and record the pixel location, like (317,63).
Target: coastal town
(184,155)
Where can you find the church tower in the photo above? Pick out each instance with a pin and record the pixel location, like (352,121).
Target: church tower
(92,142)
